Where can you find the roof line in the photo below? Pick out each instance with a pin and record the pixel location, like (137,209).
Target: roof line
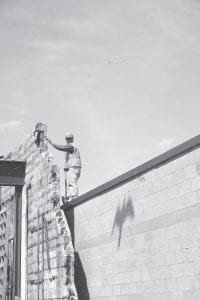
(136,172)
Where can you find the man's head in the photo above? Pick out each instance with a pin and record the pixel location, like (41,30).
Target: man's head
(69,138)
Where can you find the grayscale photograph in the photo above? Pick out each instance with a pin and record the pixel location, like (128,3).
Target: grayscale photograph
(99,150)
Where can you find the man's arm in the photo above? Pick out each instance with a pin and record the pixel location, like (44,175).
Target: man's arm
(65,148)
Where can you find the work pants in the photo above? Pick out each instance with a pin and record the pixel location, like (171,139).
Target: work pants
(71,178)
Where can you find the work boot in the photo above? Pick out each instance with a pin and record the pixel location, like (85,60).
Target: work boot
(65,199)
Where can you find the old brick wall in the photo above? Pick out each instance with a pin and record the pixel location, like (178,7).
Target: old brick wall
(141,240)
(47,240)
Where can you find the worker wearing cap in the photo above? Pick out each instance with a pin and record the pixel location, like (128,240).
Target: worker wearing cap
(72,165)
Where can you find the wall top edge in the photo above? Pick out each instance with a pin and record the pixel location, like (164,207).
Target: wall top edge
(136,172)
(11,161)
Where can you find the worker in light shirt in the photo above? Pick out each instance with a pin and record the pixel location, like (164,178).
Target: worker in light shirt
(72,165)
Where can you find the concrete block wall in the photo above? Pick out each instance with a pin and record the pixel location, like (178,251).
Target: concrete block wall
(141,240)
(47,243)
(6,236)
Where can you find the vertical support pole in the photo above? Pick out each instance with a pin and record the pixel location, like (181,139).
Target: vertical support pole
(43,266)
(17,244)
(38,259)
(66,185)
(47,246)
(28,189)
(23,247)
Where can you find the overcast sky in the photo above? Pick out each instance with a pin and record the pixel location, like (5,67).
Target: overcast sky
(123,76)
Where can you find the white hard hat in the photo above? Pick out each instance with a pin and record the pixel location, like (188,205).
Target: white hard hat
(69,136)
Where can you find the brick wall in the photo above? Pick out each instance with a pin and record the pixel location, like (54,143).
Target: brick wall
(47,251)
(141,240)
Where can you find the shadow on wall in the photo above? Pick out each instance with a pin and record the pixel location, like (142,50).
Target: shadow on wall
(79,273)
(122,213)
(69,214)
(80,279)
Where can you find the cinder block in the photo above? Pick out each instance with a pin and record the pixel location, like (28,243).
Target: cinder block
(195,183)
(188,269)
(171,284)
(160,285)
(190,171)
(176,270)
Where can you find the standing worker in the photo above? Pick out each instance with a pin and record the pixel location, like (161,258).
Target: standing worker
(72,165)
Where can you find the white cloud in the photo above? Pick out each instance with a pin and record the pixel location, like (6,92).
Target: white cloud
(166,143)
(22,112)
(11,126)
(116,60)
(13,108)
